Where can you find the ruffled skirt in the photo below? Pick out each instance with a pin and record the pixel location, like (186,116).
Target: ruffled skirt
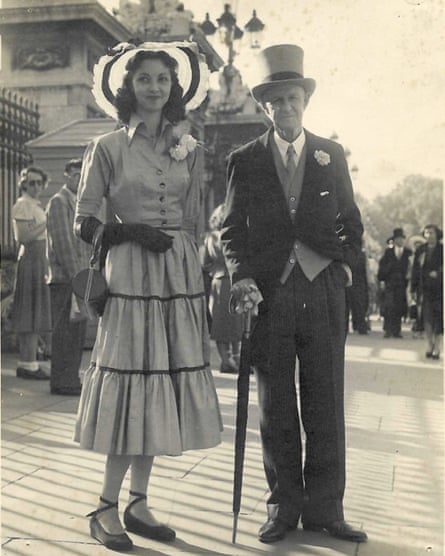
(149,389)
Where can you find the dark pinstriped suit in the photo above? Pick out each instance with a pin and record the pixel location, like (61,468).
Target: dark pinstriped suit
(298,318)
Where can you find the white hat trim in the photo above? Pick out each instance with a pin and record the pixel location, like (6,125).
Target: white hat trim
(177,50)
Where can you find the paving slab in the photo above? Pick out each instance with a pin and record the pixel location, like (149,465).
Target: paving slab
(395,426)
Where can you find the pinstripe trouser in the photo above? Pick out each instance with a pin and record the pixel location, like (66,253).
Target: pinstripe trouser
(306,320)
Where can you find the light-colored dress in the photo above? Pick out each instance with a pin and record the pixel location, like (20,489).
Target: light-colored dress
(149,389)
(31,310)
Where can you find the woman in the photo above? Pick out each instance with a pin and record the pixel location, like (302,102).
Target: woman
(31,302)
(427,283)
(227,328)
(149,389)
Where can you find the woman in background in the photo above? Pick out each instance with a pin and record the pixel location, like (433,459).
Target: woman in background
(226,328)
(427,282)
(31,302)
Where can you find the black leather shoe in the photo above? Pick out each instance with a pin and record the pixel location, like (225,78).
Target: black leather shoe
(339,529)
(33,375)
(135,525)
(274,530)
(120,542)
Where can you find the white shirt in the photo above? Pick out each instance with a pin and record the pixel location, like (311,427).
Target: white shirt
(283,146)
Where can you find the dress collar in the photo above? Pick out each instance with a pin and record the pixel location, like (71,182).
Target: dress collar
(30,199)
(137,122)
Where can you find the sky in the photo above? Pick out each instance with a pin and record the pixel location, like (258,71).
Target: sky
(380,72)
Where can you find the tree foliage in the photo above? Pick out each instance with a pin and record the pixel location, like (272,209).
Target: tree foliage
(413,203)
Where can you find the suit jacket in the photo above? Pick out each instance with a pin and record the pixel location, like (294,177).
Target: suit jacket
(258,232)
(394,271)
(67,254)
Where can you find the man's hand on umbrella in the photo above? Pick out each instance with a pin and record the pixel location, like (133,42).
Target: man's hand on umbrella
(246,296)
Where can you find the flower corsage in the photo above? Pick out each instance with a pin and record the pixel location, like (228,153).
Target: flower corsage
(185,144)
(322,158)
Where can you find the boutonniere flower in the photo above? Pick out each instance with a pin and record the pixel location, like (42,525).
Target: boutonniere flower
(322,158)
(184,143)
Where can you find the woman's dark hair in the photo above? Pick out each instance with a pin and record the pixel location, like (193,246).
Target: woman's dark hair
(438,231)
(23,177)
(125,100)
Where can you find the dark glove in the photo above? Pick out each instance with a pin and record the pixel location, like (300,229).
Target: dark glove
(87,228)
(147,236)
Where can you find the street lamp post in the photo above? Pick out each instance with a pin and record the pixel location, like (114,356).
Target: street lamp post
(230,32)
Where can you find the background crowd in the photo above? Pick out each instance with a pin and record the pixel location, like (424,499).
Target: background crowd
(404,285)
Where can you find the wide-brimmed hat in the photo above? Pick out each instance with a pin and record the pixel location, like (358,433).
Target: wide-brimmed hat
(280,63)
(192,70)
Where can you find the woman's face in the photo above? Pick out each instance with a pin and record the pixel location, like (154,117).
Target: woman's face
(152,85)
(34,184)
(430,235)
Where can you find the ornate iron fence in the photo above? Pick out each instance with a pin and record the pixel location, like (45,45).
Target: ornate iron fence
(19,123)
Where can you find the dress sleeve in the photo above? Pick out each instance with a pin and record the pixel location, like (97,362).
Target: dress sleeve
(192,206)
(22,211)
(94,181)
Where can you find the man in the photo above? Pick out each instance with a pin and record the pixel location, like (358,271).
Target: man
(357,296)
(67,255)
(291,230)
(393,271)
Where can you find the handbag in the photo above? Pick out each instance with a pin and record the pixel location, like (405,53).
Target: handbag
(89,284)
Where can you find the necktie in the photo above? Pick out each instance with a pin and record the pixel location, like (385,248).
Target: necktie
(291,165)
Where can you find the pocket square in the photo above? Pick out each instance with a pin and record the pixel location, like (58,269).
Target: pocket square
(323,193)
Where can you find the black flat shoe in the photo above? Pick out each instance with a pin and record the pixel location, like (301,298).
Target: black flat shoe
(435,355)
(428,354)
(338,529)
(274,530)
(32,375)
(120,542)
(137,526)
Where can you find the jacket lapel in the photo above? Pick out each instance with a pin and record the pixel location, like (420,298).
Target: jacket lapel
(267,173)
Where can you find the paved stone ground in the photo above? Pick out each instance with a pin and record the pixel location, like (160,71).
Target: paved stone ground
(394,409)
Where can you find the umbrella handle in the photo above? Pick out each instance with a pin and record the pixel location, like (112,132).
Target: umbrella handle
(247,316)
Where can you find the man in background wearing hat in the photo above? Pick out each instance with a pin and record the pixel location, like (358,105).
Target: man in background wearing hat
(393,271)
(291,234)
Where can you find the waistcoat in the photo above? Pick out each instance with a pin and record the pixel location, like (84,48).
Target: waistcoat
(311,263)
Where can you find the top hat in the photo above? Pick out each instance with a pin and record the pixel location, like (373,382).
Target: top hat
(398,232)
(281,63)
(192,71)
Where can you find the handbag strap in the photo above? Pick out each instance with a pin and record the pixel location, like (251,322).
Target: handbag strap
(97,243)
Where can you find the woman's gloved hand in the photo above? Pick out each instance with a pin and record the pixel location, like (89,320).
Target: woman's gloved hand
(150,238)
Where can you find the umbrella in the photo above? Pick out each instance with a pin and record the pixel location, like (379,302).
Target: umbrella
(241,419)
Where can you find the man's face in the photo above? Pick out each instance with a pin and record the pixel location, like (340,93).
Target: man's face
(284,104)
(72,179)
(399,241)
